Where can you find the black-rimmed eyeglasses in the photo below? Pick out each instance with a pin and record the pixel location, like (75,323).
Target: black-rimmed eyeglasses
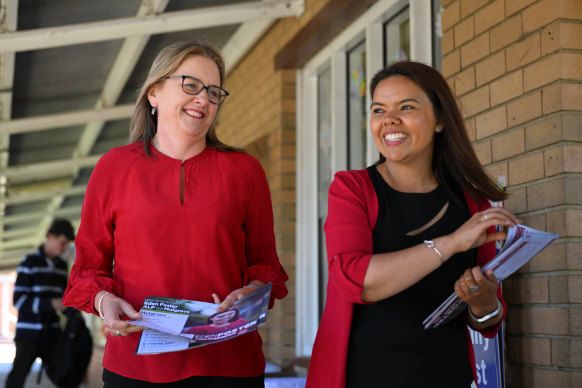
(194,86)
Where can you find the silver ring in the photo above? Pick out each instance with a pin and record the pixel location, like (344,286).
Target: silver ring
(485,215)
(472,289)
(118,333)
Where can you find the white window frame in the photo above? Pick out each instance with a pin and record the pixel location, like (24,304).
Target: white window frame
(370,27)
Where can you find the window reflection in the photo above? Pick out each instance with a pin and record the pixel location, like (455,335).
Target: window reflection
(397,38)
(323,170)
(357,122)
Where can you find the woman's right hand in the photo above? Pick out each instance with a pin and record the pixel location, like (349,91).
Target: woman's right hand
(473,233)
(114,310)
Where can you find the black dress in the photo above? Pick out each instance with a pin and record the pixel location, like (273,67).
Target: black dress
(388,345)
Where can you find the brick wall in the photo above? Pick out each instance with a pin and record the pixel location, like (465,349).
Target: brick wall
(516,67)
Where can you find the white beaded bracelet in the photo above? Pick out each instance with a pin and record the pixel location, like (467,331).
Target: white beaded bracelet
(99,304)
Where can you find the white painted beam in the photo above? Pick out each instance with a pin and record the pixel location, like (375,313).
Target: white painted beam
(61,120)
(148,25)
(43,195)
(47,168)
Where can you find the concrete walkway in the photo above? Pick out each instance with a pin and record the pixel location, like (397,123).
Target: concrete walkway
(94,375)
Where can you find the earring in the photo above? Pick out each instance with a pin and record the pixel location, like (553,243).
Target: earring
(438,129)
(153,110)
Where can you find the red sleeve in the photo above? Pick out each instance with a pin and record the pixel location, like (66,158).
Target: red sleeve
(486,253)
(261,254)
(92,269)
(352,214)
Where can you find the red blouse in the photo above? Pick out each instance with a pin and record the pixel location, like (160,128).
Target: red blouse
(137,239)
(352,215)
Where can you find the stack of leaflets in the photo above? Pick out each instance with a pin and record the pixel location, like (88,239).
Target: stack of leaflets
(178,324)
(521,245)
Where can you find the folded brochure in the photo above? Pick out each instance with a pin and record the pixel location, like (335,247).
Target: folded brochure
(179,324)
(521,245)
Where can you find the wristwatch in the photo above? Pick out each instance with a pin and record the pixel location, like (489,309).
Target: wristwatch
(487,317)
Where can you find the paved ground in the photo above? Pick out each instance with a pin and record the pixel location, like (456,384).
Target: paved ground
(94,375)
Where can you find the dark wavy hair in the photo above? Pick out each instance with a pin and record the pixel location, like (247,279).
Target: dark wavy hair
(144,126)
(454,161)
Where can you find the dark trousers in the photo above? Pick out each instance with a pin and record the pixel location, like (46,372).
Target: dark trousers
(113,380)
(27,350)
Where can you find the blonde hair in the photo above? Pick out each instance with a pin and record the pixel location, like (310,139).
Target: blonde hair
(143,125)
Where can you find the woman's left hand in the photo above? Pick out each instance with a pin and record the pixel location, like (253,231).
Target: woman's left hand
(235,295)
(478,290)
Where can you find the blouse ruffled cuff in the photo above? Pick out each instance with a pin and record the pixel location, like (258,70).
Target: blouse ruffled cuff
(266,274)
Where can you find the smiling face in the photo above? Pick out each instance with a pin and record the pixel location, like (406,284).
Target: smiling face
(403,122)
(180,113)
(223,318)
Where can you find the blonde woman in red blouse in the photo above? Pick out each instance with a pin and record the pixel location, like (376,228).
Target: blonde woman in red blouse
(178,214)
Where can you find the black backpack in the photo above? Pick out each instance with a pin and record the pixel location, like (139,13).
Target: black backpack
(71,357)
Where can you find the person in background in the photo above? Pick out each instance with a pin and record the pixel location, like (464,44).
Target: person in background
(176,214)
(403,234)
(40,283)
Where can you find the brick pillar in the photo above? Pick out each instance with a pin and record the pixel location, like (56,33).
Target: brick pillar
(516,67)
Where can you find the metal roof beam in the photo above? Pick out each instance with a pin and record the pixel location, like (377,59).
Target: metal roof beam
(43,38)
(61,120)
(47,168)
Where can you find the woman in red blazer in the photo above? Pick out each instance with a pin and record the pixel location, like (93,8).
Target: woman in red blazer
(403,234)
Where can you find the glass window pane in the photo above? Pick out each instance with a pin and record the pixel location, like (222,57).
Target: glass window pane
(397,38)
(357,126)
(323,170)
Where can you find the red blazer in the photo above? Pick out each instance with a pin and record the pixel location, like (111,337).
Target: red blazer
(352,215)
